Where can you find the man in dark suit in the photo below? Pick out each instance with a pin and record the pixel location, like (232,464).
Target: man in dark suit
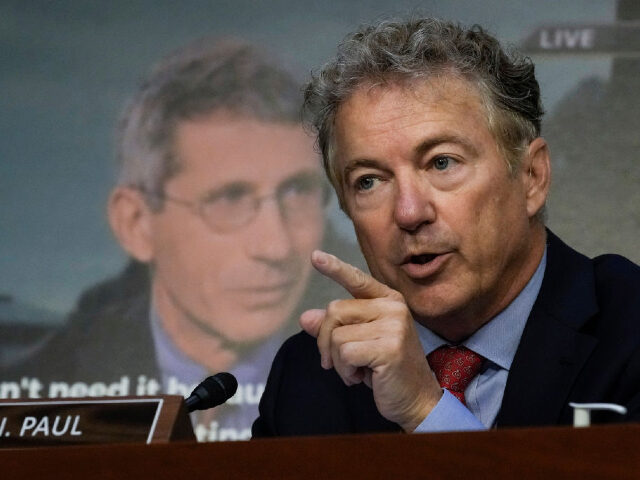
(475,315)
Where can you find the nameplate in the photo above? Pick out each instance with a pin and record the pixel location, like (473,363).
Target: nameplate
(83,421)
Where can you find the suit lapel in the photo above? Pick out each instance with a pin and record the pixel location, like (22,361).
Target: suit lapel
(543,371)
(553,348)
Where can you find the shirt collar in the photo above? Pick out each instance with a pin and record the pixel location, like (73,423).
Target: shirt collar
(498,339)
(172,362)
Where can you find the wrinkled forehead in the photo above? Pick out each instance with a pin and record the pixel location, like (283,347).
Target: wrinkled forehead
(224,147)
(377,109)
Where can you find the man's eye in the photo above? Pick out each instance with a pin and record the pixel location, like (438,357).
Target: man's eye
(365,183)
(304,185)
(230,194)
(442,163)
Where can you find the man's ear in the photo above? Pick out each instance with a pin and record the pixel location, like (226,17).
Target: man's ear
(536,170)
(130,220)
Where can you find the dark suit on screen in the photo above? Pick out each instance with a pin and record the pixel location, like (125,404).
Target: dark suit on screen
(581,344)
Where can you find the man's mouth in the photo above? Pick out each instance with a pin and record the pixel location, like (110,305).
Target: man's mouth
(266,288)
(266,296)
(424,265)
(422,259)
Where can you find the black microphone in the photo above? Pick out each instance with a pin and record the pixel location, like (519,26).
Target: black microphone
(212,391)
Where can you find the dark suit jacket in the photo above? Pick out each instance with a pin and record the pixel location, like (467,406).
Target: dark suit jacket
(107,336)
(581,343)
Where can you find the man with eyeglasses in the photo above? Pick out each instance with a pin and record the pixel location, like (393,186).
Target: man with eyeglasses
(221,195)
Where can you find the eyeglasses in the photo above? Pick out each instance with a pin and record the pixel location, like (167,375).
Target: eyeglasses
(301,200)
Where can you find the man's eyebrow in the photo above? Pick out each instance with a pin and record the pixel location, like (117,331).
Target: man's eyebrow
(234,186)
(246,186)
(430,143)
(308,174)
(359,163)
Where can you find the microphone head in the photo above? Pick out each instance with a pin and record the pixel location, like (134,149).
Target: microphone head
(212,391)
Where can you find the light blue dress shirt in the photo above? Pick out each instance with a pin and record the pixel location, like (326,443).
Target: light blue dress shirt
(251,370)
(497,341)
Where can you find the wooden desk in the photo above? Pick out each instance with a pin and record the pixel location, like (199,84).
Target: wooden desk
(611,452)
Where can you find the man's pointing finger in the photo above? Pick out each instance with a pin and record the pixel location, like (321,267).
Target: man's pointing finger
(354,280)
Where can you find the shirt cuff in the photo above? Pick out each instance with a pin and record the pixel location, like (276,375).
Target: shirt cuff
(449,415)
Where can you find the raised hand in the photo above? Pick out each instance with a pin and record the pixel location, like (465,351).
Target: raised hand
(372,338)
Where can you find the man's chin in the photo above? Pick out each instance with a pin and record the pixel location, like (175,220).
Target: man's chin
(450,321)
(246,343)
(256,327)
(435,307)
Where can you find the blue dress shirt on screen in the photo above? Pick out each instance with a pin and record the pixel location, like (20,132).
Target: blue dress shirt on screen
(497,341)
(251,369)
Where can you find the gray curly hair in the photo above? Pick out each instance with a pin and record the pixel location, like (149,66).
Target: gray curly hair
(196,80)
(425,48)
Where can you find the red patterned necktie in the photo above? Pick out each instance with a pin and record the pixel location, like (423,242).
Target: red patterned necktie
(455,367)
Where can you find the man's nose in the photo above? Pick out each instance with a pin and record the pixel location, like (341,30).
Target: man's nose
(414,202)
(270,236)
